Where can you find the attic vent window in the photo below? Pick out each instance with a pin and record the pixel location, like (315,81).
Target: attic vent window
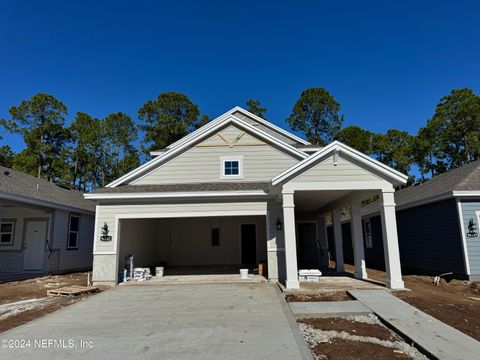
(231,168)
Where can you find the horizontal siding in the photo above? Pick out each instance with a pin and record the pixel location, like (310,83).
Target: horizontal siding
(469,209)
(81,258)
(429,238)
(202,163)
(107,213)
(343,171)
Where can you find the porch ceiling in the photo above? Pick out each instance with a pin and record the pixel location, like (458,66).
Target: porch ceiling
(319,199)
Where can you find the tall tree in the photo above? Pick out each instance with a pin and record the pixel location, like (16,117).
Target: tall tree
(6,156)
(40,121)
(455,128)
(120,132)
(394,149)
(167,119)
(255,108)
(316,114)
(357,138)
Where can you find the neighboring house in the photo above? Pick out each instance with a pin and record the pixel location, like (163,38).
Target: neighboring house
(437,225)
(237,192)
(44,228)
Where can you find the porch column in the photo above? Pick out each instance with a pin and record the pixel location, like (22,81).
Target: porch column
(357,237)
(290,241)
(322,243)
(337,231)
(390,241)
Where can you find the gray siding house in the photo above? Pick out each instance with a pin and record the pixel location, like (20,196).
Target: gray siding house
(237,192)
(44,228)
(437,225)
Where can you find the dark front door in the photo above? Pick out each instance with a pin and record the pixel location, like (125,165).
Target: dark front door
(307,247)
(249,243)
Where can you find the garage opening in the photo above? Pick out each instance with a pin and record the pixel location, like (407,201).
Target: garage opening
(194,246)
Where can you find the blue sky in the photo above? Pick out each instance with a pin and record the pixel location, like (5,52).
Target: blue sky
(387,63)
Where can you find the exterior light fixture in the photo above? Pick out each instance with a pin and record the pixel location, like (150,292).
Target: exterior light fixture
(105,236)
(472,229)
(279,224)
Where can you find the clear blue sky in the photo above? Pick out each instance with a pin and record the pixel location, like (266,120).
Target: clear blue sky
(387,64)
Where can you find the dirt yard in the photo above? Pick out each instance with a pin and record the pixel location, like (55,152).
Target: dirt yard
(26,300)
(457,303)
(355,337)
(331,296)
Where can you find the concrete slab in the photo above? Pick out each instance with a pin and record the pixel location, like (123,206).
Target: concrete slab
(329,284)
(435,337)
(198,279)
(221,321)
(326,309)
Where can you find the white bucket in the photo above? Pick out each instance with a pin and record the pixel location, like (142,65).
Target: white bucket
(159,271)
(243,273)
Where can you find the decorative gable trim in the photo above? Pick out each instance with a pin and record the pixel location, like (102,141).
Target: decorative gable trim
(173,152)
(335,148)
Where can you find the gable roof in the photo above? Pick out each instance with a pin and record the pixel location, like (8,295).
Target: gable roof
(464,178)
(224,116)
(17,186)
(337,146)
(178,149)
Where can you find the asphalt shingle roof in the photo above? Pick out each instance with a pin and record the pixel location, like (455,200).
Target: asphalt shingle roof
(224,186)
(17,183)
(464,178)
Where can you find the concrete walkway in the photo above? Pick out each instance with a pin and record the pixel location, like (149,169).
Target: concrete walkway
(223,321)
(328,309)
(435,337)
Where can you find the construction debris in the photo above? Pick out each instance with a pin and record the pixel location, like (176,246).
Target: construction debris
(73,290)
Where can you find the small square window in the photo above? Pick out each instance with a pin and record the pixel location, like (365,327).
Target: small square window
(231,167)
(215,237)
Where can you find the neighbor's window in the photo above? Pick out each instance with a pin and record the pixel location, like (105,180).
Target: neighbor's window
(215,237)
(368,234)
(6,232)
(231,168)
(73,228)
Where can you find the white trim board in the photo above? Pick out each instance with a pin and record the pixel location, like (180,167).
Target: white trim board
(163,195)
(151,165)
(463,236)
(333,148)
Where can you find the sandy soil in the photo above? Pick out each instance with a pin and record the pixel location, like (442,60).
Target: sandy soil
(452,302)
(356,337)
(333,296)
(26,300)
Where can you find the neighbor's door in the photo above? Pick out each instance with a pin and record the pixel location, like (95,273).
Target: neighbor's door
(307,245)
(248,235)
(34,244)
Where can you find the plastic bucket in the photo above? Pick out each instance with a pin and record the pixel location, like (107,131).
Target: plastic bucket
(159,271)
(243,273)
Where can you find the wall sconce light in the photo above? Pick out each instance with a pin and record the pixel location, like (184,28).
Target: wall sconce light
(105,236)
(472,229)
(279,224)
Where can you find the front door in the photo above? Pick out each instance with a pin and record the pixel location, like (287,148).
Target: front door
(307,245)
(248,235)
(34,244)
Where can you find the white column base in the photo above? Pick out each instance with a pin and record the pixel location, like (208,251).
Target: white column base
(292,284)
(361,276)
(395,284)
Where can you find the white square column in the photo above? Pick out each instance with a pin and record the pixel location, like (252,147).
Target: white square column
(290,240)
(337,233)
(390,241)
(357,237)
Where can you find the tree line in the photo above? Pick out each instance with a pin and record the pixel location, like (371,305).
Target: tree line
(90,152)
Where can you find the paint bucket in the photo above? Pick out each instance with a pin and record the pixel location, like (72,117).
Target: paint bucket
(243,273)
(159,271)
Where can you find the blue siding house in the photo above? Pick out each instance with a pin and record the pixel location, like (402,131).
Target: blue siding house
(437,225)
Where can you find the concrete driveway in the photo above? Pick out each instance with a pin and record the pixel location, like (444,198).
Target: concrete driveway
(214,321)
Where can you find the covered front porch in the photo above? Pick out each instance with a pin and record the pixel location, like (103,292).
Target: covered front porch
(322,189)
